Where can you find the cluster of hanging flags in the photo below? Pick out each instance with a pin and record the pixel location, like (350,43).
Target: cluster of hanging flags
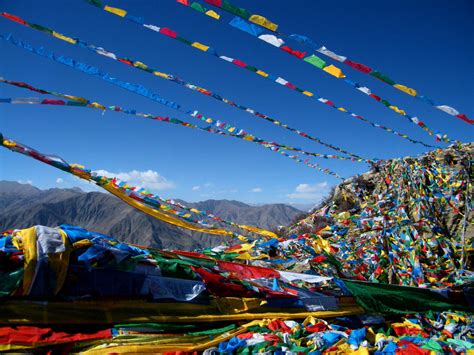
(319,63)
(275,78)
(219,127)
(140,198)
(140,65)
(258,22)
(314,60)
(173,78)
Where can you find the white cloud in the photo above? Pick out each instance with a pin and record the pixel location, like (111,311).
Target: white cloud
(256,189)
(59,181)
(306,188)
(29,182)
(195,188)
(149,179)
(309,192)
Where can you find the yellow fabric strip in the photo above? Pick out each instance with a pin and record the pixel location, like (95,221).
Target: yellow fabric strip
(115,11)
(264,22)
(136,311)
(64,38)
(213,14)
(398,110)
(163,75)
(97,105)
(163,217)
(25,240)
(262,232)
(82,244)
(405,89)
(200,46)
(183,343)
(76,98)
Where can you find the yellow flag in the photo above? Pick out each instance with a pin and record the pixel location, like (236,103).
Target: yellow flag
(64,38)
(200,46)
(213,14)
(398,110)
(405,89)
(264,22)
(163,75)
(115,11)
(335,71)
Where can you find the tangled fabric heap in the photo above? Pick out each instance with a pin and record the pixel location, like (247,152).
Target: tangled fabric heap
(401,224)
(431,333)
(136,299)
(416,334)
(71,263)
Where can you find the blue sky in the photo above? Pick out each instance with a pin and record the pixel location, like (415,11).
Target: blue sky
(426,44)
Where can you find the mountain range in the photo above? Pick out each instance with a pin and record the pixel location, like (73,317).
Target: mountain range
(23,205)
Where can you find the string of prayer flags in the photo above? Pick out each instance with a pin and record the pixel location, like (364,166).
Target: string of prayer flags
(319,63)
(309,43)
(220,128)
(172,120)
(204,91)
(138,197)
(207,49)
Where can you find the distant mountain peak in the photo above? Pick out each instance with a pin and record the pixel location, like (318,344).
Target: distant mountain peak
(24,205)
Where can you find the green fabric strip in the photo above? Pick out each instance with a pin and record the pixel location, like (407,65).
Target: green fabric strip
(392,299)
(96,3)
(214,331)
(227,6)
(316,61)
(197,6)
(9,281)
(382,77)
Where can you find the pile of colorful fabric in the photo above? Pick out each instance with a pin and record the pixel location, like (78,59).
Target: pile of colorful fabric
(88,292)
(402,223)
(431,333)
(71,263)
(417,334)
(391,265)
